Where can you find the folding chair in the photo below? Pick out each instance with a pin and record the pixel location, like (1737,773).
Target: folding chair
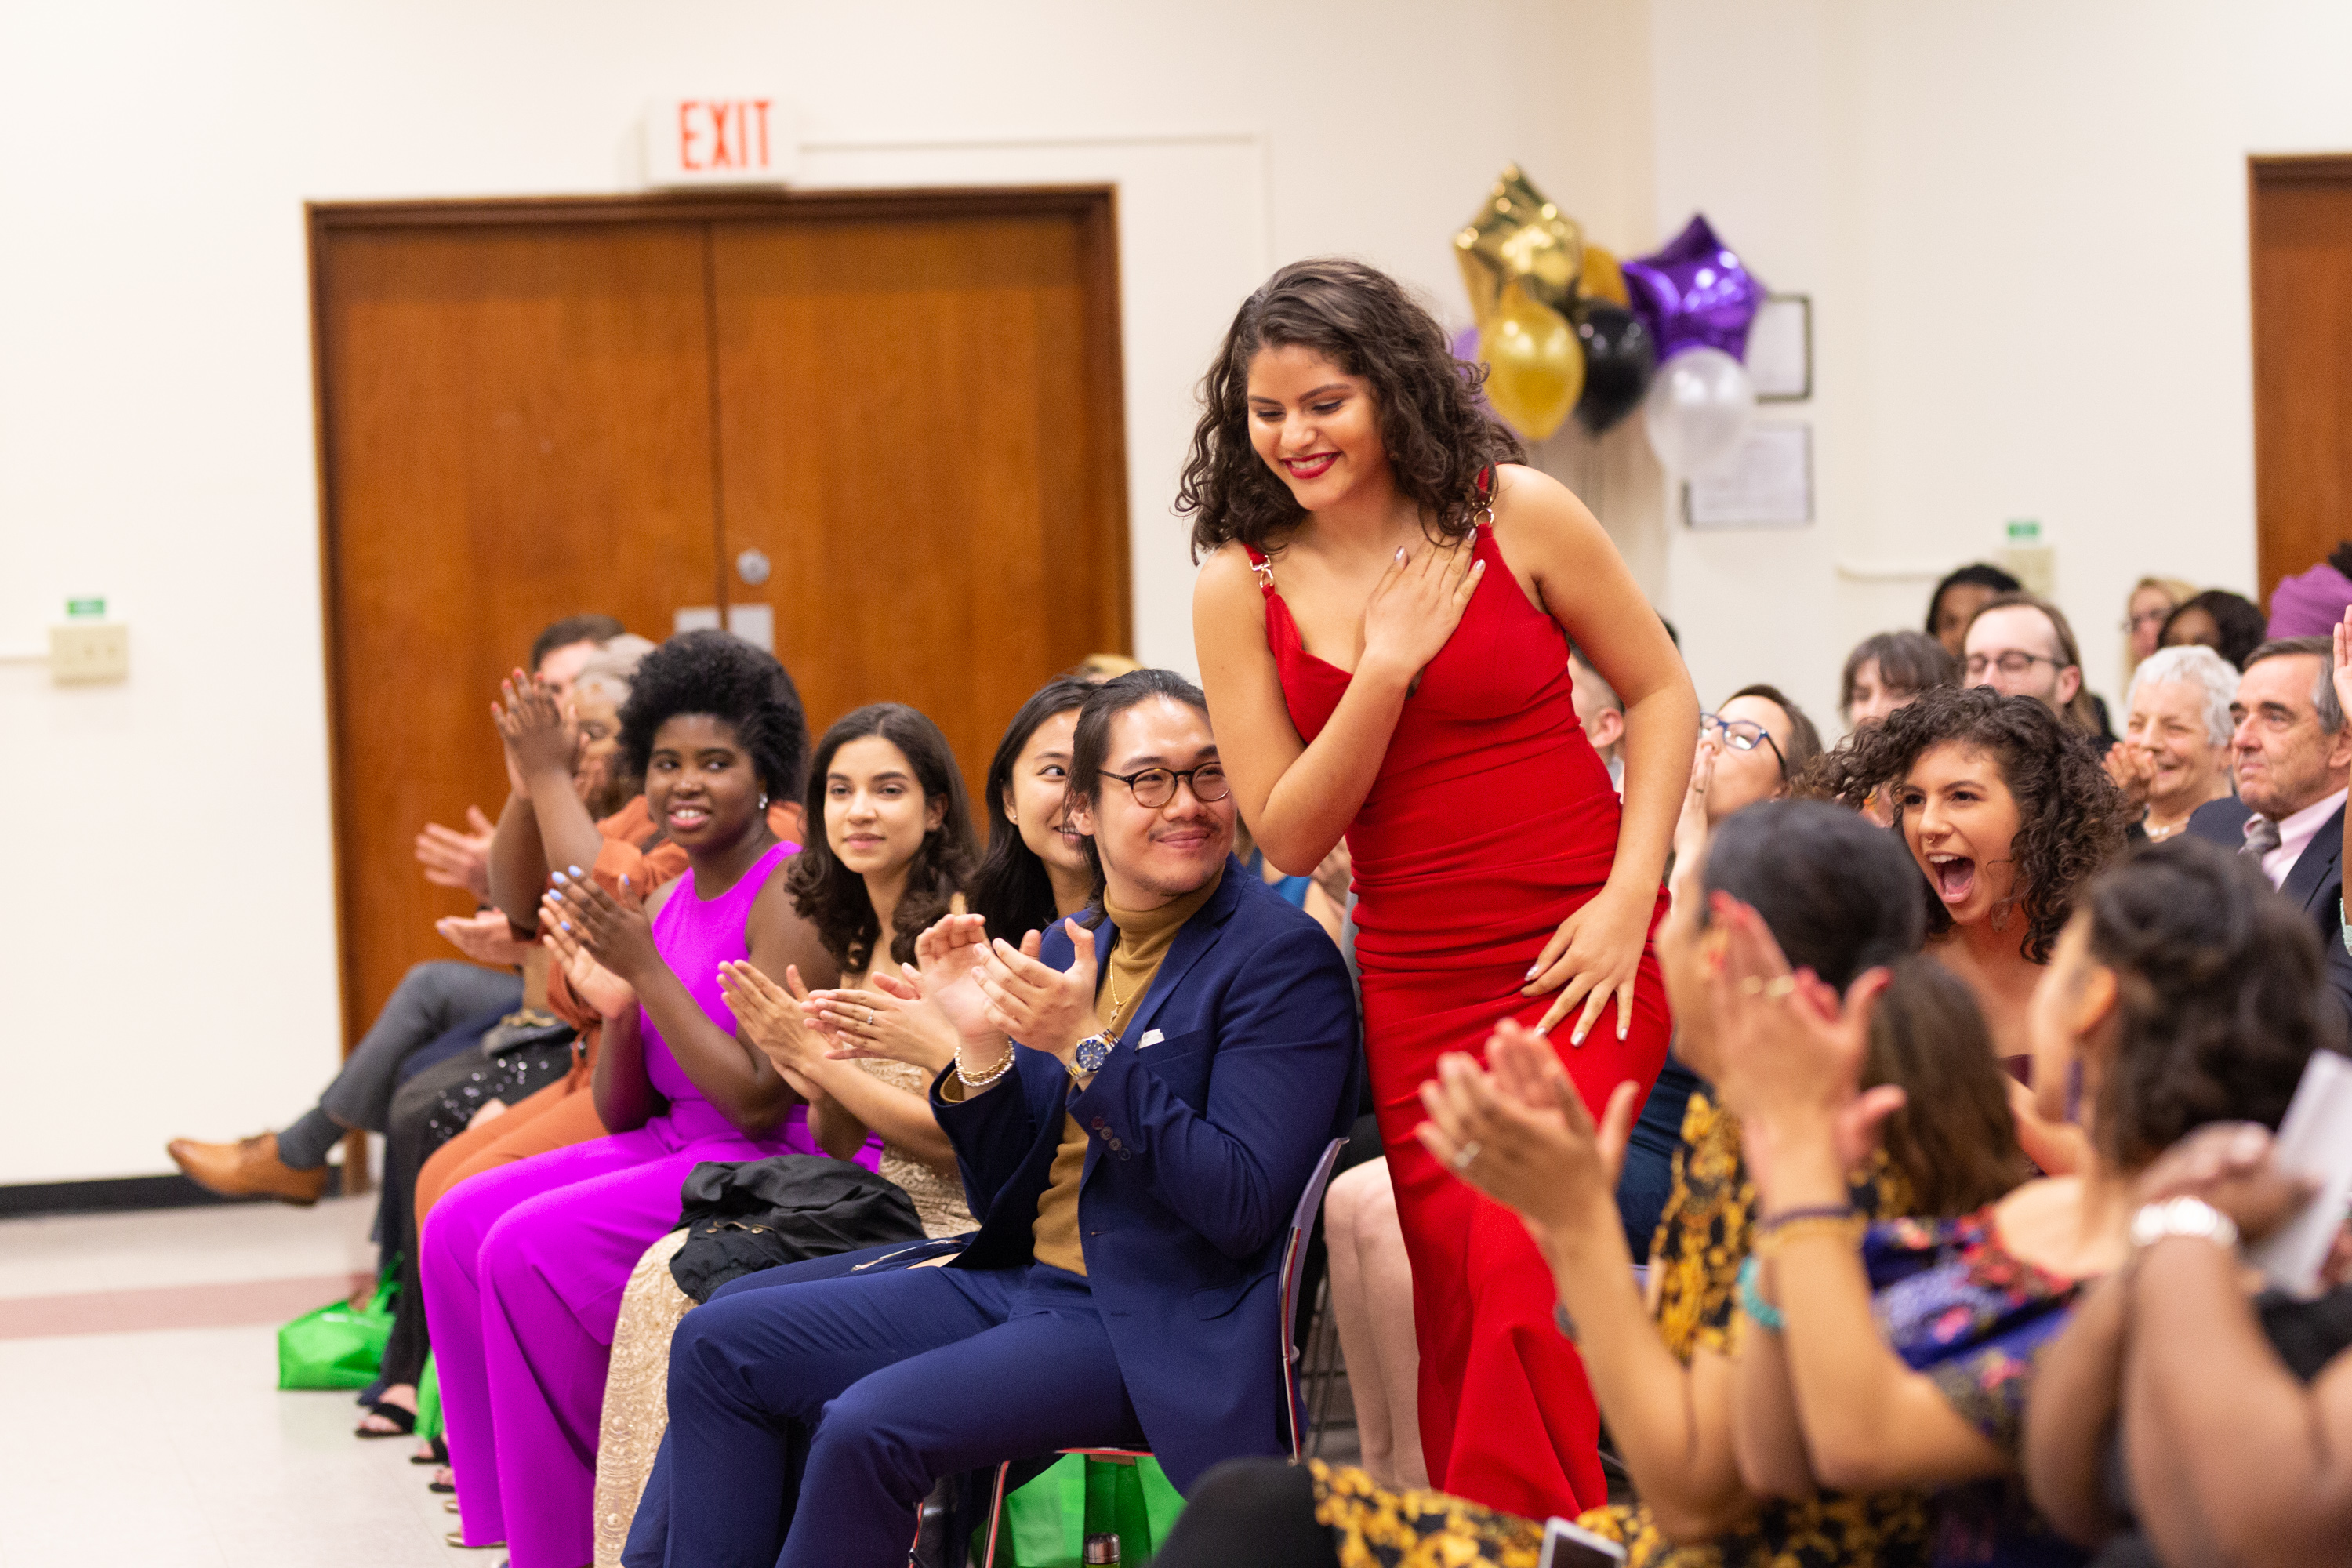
(1294,1268)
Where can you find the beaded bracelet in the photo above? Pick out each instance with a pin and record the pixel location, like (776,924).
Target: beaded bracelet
(1760,1312)
(982,1080)
(1847,1227)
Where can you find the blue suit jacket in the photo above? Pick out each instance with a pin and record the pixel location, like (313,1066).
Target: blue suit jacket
(1201,1142)
(2315,882)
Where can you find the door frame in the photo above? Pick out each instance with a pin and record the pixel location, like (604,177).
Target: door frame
(1094,206)
(2274,172)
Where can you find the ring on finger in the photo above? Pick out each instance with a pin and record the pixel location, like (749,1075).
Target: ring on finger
(1464,1156)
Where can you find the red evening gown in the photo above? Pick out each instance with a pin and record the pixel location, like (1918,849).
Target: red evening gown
(1491,821)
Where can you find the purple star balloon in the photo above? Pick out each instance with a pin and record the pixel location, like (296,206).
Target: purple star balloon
(1696,293)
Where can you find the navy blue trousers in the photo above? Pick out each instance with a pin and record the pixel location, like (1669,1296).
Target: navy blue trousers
(809,1418)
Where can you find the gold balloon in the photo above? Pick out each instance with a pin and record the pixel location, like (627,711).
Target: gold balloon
(1601,278)
(1536,365)
(1518,236)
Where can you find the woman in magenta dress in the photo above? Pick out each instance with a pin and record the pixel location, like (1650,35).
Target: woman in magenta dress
(1382,624)
(524,1266)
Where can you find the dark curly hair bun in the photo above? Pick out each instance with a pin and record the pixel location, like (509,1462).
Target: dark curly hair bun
(2221,996)
(721,675)
(1436,429)
(2071,818)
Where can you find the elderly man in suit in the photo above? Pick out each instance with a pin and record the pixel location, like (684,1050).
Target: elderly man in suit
(1136,1106)
(2291,753)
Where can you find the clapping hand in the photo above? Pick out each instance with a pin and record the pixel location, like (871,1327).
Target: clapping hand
(488,937)
(593,984)
(455,859)
(2340,666)
(1045,1008)
(1792,1048)
(888,1017)
(776,1019)
(2132,769)
(949,958)
(1518,1131)
(611,932)
(539,737)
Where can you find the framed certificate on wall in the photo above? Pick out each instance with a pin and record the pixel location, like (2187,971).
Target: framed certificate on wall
(1766,481)
(1780,348)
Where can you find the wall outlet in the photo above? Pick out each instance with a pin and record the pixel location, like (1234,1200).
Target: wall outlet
(90,652)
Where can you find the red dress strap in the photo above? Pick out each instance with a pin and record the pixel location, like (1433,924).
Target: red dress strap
(1262,566)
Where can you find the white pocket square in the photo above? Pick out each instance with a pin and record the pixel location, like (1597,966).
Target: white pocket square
(1150,1037)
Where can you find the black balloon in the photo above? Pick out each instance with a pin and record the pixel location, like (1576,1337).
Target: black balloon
(1619,355)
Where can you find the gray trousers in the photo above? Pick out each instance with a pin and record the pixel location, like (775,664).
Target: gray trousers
(430,1000)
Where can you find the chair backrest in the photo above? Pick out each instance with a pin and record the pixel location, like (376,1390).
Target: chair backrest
(1294,1271)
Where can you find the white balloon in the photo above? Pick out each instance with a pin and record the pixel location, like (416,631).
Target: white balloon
(1698,409)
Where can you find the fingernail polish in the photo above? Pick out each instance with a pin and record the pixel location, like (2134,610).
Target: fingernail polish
(1623,1029)
(567,925)
(576,871)
(1541,1030)
(557,875)
(1577,1039)
(1399,554)
(1532,969)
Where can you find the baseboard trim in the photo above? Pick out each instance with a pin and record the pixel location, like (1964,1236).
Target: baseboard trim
(123,1194)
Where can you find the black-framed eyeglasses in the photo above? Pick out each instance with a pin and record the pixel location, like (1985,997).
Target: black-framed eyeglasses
(1155,787)
(1746,735)
(2014,663)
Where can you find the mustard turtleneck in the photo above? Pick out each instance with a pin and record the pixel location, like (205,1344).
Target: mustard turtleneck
(1144,938)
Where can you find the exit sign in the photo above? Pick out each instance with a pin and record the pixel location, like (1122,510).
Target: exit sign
(746,139)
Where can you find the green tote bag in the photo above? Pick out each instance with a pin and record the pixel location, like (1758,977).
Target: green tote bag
(337,1345)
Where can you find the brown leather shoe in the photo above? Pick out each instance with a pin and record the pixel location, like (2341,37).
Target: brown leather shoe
(247,1168)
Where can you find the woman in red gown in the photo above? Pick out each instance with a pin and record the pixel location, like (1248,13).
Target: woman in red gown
(1382,624)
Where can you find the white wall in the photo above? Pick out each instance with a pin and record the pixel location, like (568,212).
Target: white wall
(169,948)
(2023,227)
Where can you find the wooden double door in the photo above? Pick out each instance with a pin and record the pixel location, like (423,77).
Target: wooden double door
(2301,209)
(908,403)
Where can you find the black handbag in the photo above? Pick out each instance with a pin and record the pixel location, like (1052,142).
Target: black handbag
(522,1029)
(742,1218)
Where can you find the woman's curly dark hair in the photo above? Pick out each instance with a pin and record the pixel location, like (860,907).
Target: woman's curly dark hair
(1436,429)
(712,673)
(2071,818)
(832,897)
(2221,997)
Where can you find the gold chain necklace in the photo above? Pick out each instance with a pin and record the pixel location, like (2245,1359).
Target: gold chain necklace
(1111,982)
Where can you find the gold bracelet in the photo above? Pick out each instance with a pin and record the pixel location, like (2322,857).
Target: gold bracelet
(982,1080)
(1773,1241)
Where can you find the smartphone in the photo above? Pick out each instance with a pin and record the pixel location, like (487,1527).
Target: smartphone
(1567,1545)
(2314,1141)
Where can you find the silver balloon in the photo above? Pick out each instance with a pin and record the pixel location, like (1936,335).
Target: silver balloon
(1698,406)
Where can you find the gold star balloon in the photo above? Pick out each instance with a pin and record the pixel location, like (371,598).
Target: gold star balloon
(1521,258)
(1519,235)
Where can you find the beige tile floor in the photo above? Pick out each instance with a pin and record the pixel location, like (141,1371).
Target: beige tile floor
(170,1446)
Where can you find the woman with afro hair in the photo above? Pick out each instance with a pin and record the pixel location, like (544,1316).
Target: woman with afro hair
(2009,813)
(524,1266)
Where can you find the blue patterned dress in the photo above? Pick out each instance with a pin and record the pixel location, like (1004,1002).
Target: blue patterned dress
(1957,1306)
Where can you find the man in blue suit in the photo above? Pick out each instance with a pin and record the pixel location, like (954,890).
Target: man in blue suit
(2291,751)
(1136,1107)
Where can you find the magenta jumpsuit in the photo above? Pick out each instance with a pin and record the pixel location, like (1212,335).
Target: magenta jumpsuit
(524,1266)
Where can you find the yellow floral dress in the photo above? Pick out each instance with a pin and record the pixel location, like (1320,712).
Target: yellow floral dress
(1703,1238)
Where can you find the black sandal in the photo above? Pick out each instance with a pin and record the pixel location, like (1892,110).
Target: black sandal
(404,1421)
(436,1453)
